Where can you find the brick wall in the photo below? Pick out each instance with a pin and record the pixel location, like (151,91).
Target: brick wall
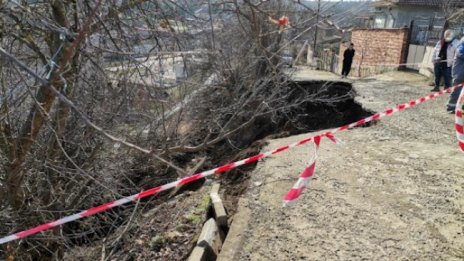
(375,47)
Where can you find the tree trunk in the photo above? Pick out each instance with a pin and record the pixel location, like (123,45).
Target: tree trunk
(31,128)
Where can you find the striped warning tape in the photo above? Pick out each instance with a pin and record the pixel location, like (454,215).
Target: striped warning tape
(304,178)
(459,121)
(153,191)
(307,173)
(400,64)
(298,188)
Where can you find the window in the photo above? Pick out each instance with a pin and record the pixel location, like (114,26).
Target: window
(390,21)
(379,21)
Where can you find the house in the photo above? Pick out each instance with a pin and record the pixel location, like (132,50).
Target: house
(400,13)
(402,33)
(427,20)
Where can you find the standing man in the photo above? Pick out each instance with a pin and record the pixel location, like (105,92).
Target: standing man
(458,77)
(442,58)
(347,60)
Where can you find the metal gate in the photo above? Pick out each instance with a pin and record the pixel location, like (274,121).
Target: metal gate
(427,31)
(424,32)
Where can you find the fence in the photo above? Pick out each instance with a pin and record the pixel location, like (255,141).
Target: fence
(427,31)
(328,60)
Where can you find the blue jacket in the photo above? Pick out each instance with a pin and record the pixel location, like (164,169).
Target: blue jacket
(458,64)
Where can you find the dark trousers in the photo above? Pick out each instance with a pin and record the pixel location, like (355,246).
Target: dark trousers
(453,99)
(442,70)
(346,67)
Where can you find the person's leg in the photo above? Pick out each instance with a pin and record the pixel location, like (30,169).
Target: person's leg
(437,72)
(348,69)
(460,101)
(453,99)
(447,76)
(344,69)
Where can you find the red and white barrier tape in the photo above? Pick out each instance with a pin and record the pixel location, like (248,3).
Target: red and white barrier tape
(399,64)
(459,121)
(304,178)
(153,191)
(297,189)
(307,173)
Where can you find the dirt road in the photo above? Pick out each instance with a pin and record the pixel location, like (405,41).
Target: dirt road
(393,191)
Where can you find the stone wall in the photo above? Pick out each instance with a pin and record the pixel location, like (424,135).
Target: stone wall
(377,50)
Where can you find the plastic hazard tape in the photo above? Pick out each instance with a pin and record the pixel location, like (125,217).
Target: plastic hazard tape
(153,191)
(300,185)
(148,192)
(304,178)
(400,64)
(459,121)
(307,173)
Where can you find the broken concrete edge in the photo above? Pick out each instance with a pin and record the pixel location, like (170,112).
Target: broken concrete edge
(210,236)
(236,236)
(218,207)
(209,243)
(201,254)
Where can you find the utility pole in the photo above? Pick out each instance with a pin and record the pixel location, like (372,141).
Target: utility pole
(317,22)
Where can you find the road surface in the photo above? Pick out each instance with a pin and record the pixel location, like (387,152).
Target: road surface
(393,191)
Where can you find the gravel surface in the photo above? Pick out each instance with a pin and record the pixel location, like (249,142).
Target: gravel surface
(392,191)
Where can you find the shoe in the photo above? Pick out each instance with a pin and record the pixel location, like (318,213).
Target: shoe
(451,111)
(435,90)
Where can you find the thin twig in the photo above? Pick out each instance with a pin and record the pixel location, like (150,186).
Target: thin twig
(137,203)
(70,104)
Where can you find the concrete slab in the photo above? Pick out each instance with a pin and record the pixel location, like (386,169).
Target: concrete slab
(202,254)
(210,236)
(218,207)
(233,243)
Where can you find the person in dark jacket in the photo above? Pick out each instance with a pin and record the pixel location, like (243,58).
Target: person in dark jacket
(442,58)
(458,76)
(347,60)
